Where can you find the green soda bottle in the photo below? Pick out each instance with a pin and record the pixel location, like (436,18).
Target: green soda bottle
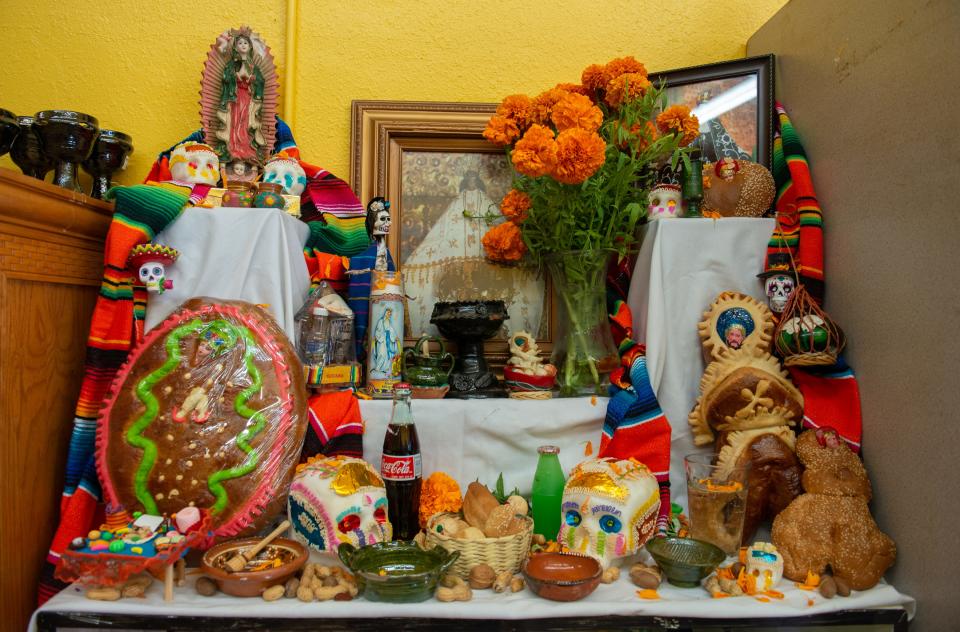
(547,492)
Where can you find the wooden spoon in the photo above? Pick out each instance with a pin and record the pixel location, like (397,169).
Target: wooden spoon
(238,561)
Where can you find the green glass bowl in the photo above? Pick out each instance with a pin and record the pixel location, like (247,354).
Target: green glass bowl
(398,572)
(685,561)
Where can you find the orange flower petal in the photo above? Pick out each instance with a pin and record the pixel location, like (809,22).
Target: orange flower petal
(648,593)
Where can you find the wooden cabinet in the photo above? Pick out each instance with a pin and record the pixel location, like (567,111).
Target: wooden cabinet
(51,262)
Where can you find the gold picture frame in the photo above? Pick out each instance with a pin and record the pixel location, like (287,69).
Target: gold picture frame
(382,132)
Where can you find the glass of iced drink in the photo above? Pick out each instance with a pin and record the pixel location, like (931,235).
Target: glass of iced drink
(717,497)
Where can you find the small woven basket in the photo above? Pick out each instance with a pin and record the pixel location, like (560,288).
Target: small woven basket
(502,554)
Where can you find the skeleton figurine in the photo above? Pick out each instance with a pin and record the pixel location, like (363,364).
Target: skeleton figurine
(338,499)
(378,225)
(150,261)
(779,281)
(287,172)
(609,508)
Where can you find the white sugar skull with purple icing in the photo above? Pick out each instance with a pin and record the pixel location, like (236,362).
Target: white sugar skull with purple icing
(609,508)
(338,499)
(664,201)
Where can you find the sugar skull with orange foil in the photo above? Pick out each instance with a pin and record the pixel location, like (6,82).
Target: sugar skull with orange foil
(609,508)
(338,499)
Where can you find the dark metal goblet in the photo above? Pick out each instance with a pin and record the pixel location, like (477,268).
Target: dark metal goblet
(470,323)
(26,151)
(9,129)
(109,156)
(67,138)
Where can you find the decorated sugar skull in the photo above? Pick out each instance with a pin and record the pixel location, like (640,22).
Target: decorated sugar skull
(609,508)
(150,261)
(378,217)
(195,163)
(665,200)
(287,172)
(779,281)
(765,563)
(335,500)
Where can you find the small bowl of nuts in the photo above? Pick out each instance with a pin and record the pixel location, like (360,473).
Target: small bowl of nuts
(399,572)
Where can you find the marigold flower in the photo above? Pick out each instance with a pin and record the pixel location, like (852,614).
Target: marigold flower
(626,87)
(622,66)
(535,154)
(579,154)
(440,493)
(639,137)
(543,105)
(516,107)
(515,206)
(677,119)
(594,77)
(576,110)
(575,88)
(501,130)
(504,243)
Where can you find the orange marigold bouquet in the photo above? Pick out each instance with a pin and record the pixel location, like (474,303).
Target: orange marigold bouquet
(584,156)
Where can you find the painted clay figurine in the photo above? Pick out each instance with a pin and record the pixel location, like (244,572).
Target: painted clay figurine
(609,508)
(335,500)
(779,281)
(150,261)
(376,257)
(737,188)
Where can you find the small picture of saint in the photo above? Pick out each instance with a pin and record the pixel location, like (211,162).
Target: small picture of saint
(386,344)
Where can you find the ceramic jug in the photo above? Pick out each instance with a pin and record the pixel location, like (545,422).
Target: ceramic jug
(423,369)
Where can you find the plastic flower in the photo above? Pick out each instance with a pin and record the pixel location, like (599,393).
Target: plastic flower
(501,130)
(439,494)
(517,108)
(504,244)
(622,66)
(576,110)
(677,119)
(535,154)
(515,205)
(543,105)
(626,87)
(579,154)
(594,77)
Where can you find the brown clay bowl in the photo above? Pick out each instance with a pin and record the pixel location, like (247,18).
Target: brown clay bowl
(251,584)
(562,576)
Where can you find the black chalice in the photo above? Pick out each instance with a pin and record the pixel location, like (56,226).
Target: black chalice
(109,156)
(9,128)
(67,138)
(470,323)
(26,151)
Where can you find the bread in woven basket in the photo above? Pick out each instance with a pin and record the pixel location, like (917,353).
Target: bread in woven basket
(505,553)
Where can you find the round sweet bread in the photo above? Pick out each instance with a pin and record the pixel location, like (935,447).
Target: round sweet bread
(208,411)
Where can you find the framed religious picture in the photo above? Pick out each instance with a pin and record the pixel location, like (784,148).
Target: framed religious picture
(445,183)
(733,101)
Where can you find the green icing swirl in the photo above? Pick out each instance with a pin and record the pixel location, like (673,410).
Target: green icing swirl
(144,392)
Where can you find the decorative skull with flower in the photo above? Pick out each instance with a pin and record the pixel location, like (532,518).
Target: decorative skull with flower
(150,261)
(609,508)
(338,499)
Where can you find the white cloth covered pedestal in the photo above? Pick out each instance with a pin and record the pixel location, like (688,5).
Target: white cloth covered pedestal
(248,254)
(682,266)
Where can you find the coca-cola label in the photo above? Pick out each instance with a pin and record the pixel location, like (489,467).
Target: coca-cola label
(400,468)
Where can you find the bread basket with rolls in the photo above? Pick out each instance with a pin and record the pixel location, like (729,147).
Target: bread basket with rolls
(488,533)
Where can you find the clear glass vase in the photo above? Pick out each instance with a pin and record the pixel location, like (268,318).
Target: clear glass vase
(583,350)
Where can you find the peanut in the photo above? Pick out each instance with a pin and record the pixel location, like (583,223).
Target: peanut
(516,584)
(104,594)
(502,582)
(291,587)
(305,593)
(273,593)
(610,575)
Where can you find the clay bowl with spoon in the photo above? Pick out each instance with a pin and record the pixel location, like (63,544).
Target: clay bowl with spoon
(248,566)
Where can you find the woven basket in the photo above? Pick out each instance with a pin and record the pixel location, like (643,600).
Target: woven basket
(502,554)
(800,348)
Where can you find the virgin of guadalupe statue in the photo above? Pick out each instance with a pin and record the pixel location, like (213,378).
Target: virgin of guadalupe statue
(238,98)
(450,265)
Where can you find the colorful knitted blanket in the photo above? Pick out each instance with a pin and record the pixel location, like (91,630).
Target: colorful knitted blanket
(799,229)
(141,212)
(635,426)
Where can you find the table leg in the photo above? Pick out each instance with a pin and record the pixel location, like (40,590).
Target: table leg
(168,583)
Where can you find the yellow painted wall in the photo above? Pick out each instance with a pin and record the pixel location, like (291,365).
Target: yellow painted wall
(136,65)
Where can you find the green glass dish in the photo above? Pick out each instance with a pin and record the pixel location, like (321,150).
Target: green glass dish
(398,572)
(685,561)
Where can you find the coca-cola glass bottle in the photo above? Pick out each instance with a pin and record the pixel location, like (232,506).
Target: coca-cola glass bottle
(401,467)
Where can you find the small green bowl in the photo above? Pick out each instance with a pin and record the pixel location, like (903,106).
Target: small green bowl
(685,561)
(398,572)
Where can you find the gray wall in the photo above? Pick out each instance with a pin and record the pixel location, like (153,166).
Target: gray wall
(872,89)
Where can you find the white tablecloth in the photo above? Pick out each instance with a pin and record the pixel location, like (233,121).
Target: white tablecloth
(683,264)
(618,598)
(480,438)
(249,254)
